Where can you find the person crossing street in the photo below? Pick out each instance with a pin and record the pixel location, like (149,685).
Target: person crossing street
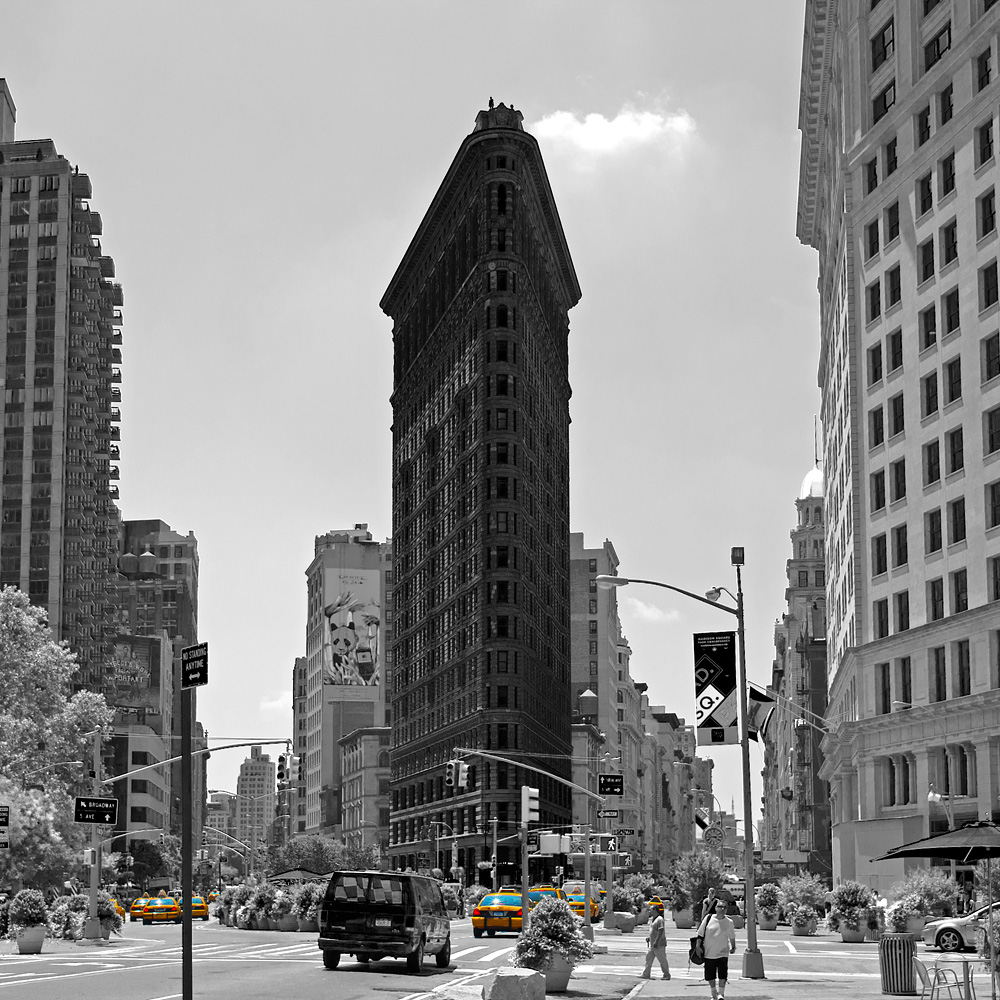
(657,942)
(719,933)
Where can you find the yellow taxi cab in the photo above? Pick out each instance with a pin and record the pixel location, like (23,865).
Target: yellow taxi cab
(161,909)
(541,891)
(577,902)
(213,896)
(497,912)
(135,910)
(199,908)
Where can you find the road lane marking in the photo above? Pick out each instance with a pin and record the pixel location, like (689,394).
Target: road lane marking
(467,951)
(791,947)
(495,954)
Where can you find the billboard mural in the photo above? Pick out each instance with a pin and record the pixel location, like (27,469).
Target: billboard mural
(351,647)
(132,681)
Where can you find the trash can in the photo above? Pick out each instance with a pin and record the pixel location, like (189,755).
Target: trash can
(896,953)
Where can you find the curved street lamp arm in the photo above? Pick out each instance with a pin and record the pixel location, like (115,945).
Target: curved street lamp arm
(667,586)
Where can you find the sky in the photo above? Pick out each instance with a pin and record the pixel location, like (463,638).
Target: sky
(260,169)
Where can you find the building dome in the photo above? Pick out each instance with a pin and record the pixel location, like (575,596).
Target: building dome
(812,485)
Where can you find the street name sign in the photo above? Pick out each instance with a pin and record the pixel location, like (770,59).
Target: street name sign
(194,665)
(625,833)
(607,814)
(610,784)
(4,827)
(96,810)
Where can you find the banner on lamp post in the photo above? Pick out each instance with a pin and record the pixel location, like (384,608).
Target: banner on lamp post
(716,708)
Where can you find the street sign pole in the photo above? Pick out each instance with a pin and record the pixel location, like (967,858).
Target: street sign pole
(92,929)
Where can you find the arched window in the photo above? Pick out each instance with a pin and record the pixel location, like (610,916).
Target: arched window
(502,316)
(383,758)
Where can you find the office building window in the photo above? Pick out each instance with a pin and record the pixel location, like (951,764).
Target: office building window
(876,427)
(956,521)
(894,285)
(984,143)
(898,470)
(946,107)
(923,125)
(925,256)
(955,441)
(892,222)
(932,462)
(883,690)
(963,668)
(928,327)
(993,505)
(894,349)
(992,441)
(871,239)
(994,572)
(875,364)
(925,193)
(984,69)
(891,158)
(990,351)
(949,243)
(902,602)
(929,394)
(953,380)
(933,539)
(987,213)
(882,45)
(884,100)
(896,422)
(959,591)
(937,47)
(874,297)
(880,563)
(871,175)
(938,679)
(988,285)
(952,317)
(935,599)
(877,489)
(880,618)
(900,554)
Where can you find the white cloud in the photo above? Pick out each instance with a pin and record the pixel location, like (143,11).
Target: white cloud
(283,703)
(649,612)
(598,136)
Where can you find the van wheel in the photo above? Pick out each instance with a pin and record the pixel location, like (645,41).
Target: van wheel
(416,958)
(476,933)
(331,959)
(492,933)
(443,957)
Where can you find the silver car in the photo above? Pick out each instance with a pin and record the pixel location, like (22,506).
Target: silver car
(956,933)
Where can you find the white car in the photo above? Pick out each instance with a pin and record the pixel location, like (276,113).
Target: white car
(956,933)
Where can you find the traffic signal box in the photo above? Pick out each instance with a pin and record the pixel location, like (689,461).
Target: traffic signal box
(529,805)
(450,773)
(282,768)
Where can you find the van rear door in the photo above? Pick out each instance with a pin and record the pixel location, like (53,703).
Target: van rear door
(362,905)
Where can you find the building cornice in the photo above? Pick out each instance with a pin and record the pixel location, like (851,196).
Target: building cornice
(817,46)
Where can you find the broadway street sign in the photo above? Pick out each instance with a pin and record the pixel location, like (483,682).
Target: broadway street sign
(94,810)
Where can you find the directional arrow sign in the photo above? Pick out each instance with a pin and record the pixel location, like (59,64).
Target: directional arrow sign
(194,665)
(96,810)
(610,784)
(607,813)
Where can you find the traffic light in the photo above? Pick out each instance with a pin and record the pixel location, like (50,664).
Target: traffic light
(463,774)
(161,840)
(450,773)
(282,769)
(529,804)
(301,761)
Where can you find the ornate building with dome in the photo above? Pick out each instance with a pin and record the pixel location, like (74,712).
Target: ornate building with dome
(796,810)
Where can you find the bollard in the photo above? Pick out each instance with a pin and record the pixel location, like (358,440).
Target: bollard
(895,959)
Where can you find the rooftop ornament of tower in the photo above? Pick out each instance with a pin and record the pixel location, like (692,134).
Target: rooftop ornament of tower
(498,117)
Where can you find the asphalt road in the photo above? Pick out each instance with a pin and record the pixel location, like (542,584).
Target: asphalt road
(145,964)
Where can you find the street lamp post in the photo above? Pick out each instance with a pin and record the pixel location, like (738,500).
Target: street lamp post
(933,795)
(753,961)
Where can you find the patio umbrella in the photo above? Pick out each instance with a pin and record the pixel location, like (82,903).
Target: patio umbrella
(977,841)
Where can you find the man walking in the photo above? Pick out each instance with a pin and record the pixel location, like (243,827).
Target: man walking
(708,904)
(657,942)
(719,933)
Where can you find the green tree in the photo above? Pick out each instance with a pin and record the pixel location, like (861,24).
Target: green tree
(698,872)
(42,724)
(317,854)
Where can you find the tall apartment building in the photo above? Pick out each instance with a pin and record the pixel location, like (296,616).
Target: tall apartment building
(256,798)
(480,487)
(898,113)
(348,675)
(796,814)
(60,328)
(157,595)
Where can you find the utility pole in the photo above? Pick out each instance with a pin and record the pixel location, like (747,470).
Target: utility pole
(496,869)
(92,930)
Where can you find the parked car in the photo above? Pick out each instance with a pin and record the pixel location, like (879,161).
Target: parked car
(956,933)
(371,914)
(497,912)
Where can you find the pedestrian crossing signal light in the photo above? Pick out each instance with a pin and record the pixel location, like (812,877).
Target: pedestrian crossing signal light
(451,773)
(282,768)
(463,775)
(529,804)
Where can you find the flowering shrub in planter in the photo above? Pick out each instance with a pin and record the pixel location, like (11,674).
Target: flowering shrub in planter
(67,917)
(936,891)
(802,915)
(768,900)
(281,905)
(552,928)
(306,899)
(852,903)
(27,909)
(905,909)
(261,899)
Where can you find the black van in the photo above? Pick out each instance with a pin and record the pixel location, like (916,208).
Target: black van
(371,914)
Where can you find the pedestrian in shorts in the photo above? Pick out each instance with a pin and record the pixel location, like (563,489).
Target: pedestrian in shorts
(719,933)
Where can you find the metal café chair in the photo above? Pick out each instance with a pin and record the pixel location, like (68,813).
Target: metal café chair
(934,980)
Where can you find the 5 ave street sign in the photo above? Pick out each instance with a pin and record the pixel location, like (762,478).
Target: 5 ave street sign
(95,810)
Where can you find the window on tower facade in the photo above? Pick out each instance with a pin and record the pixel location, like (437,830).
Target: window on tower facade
(933,538)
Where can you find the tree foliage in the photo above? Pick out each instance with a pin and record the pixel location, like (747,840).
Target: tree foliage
(696,873)
(42,724)
(318,854)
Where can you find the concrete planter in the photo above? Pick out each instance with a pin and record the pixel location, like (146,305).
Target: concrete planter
(768,923)
(288,922)
(557,974)
(29,939)
(851,937)
(683,919)
(308,925)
